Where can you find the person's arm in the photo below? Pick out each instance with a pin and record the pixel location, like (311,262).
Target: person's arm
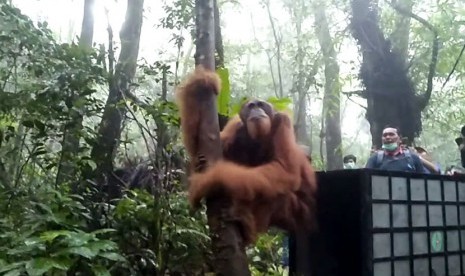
(431,167)
(419,165)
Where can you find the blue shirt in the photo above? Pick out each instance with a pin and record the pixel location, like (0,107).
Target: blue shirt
(397,162)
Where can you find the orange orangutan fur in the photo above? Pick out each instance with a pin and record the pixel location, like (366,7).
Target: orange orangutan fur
(202,81)
(279,191)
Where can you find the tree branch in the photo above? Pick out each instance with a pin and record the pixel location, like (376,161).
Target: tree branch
(269,57)
(348,97)
(434,55)
(361,93)
(278,47)
(111,52)
(219,62)
(455,66)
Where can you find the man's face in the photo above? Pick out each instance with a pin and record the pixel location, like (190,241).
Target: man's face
(390,135)
(350,164)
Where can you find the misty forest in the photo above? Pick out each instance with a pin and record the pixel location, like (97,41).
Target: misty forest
(93,170)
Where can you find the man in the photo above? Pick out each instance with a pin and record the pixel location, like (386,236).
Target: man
(393,157)
(461,144)
(350,161)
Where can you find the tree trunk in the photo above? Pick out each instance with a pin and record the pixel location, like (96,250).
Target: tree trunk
(219,57)
(299,86)
(304,75)
(301,131)
(331,99)
(87,30)
(277,43)
(109,131)
(389,91)
(72,131)
(228,249)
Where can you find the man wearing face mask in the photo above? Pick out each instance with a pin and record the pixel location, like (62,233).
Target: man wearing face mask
(393,157)
(350,161)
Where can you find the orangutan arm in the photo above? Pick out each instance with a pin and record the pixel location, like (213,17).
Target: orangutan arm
(188,96)
(228,135)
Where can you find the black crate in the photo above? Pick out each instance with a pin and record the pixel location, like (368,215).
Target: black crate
(384,223)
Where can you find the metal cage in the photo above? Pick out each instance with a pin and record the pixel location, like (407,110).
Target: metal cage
(384,224)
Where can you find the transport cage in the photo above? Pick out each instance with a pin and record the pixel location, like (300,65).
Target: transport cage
(384,223)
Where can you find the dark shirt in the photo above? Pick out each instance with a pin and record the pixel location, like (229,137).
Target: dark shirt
(462,157)
(397,162)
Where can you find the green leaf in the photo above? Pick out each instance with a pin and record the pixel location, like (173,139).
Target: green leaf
(79,238)
(280,104)
(27,123)
(16,272)
(32,241)
(100,271)
(194,232)
(104,245)
(14,266)
(103,231)
(82,251)
(51,235)
(112,256)
(39,266)
(62,263)
(92,164)
(39,152)
(237,107)
(51,165)
(39,125)
(225,93)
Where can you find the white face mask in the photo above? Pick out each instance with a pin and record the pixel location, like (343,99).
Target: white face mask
(350,165)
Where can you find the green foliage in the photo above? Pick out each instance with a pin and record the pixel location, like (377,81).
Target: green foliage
(40,238)
(266,256)
(179,16)
(45,86)
(145,233)
(158,234)
(46,228)
(281,104)
(224,98)
(225,93)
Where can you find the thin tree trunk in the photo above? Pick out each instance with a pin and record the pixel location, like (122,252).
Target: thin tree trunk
(299,81)
(331,99)
(219,57)
(277,41)
(109,132)
(269,58)
(87,30)
(72,131)
(228,249)
(185,64)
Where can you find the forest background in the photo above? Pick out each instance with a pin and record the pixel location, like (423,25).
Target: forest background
(87,89)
